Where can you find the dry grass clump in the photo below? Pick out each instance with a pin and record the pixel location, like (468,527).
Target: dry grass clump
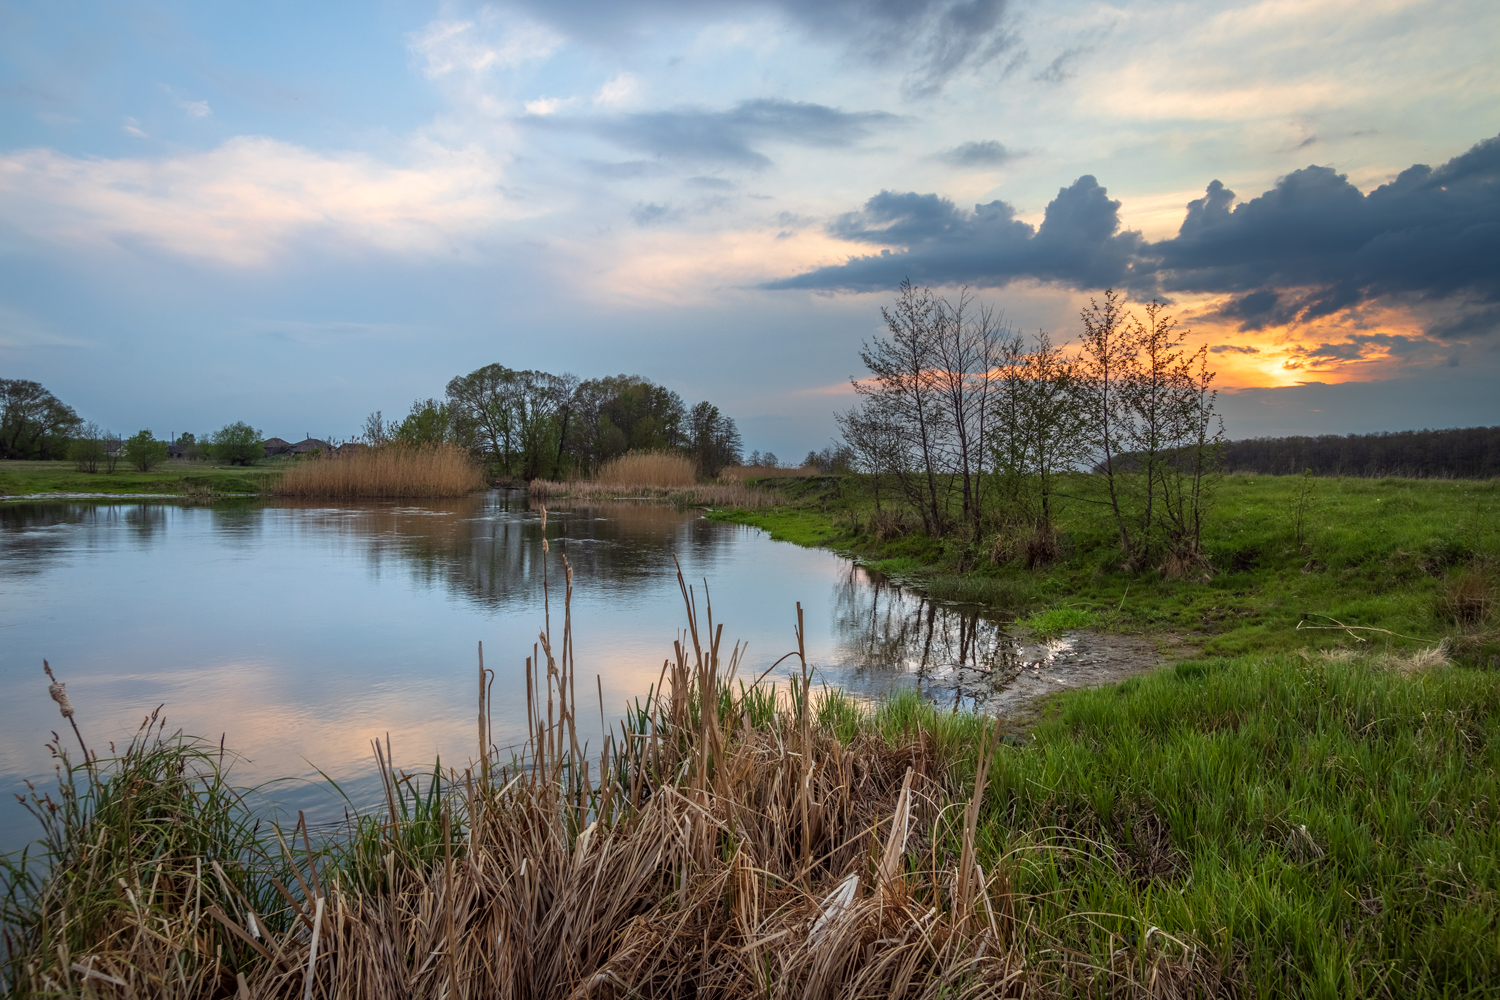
(741,473)
(666,469)
(440,470)
(724,842)
(1470,600)
(695,495)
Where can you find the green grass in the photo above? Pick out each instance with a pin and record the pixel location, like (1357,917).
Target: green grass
(19,478)
(1376,553)
(1324,827)
(1056,621)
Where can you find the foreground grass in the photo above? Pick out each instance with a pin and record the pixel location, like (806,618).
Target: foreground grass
(21,478)
(1252,826)
(1374,553)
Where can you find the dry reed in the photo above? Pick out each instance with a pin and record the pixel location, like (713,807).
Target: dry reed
(665,469)
(727,844)
(441,470)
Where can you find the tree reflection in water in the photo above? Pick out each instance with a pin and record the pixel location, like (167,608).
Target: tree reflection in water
(954,653)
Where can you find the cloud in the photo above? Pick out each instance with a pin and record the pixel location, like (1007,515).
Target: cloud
(1312,247)
(194,109)
(619,91)
(732,136)
(1079,243)
(982,153)
(488,42)
(248,200)
(935,40)
(548,105)
(133,127)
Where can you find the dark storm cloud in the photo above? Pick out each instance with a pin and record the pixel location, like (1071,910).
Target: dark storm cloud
(731,137)
(984,153)
(1429,235)
(1079,243)
(1311,247)
(936,40)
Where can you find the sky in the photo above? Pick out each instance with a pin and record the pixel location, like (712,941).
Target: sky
(296,214)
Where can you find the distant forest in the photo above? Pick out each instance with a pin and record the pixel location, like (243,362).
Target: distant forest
(1462,453)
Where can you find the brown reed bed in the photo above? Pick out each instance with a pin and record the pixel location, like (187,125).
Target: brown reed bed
(725,841)
(665,469)
(692,495)
(439,470)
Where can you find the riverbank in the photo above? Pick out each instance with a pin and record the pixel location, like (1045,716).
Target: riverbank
(174,476)
(1410,557)
(1320,826)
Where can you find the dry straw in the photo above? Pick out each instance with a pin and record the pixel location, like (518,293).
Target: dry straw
(648,468)
(441,470)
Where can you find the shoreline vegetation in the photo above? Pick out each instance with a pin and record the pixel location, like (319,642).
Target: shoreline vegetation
(393,471)
(1275,825)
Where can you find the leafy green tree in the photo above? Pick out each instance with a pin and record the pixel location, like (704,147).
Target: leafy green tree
(238,444)
(33,422)
(429,422)
(713,439)
(145,452)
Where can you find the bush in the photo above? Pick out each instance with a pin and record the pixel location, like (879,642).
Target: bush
(145,452)
(238,444)
(87,450)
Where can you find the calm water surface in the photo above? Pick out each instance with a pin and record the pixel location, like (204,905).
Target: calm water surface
(299,633)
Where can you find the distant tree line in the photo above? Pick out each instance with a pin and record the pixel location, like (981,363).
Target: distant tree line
(971,427)
(1461,453)
(534,424)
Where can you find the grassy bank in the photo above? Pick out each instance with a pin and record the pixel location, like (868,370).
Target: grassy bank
(20,478)
(1321,826)
(1395,554)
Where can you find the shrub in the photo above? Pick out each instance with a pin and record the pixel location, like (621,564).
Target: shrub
(238,444)
(145,452)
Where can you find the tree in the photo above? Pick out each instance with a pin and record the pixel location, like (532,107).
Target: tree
(33,422)
(902,368)
(875,440)
(1039,434)
(376,432)
(238,444)
(429,422)
(145,452)
(713,439)
(87,450)
(485,397)
(1106,365)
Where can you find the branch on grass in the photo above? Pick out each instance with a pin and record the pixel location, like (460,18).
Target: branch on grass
(1352,629)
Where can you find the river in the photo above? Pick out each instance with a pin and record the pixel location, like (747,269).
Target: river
(298,633)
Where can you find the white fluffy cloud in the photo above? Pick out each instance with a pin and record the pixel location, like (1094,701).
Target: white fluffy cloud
(245,201)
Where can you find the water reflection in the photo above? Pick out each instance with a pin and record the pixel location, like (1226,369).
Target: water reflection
(951,652)
(301,631)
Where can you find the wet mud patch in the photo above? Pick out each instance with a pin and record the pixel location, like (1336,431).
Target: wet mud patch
(1038,669)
